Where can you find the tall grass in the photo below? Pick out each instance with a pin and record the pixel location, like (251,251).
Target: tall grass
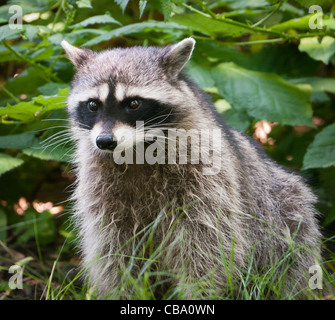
(149,283)
(248,283)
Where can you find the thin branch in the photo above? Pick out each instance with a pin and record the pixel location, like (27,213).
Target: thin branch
(280,36)
(9,94)
(269,15)
(44,72)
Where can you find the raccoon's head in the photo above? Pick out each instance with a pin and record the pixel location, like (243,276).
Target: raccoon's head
(115,89)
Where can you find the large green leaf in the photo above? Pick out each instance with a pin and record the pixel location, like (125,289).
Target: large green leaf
(8,163)
(100,19)
(321,152)
(28,111)
(17,141)
(6,32)
(23,111)
(58,151)
(166,27)
(53,102)
(318,50)
(238,120)
(200,75)
(263,95)
(210,26)
(51,88)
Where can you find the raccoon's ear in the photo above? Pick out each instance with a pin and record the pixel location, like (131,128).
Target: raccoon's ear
(76,55)
(178,56)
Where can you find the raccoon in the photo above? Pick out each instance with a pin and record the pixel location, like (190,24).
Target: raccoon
(204,228)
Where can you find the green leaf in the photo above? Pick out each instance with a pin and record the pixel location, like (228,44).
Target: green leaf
(165,27)
(23,111)
(210,26)
(51,88)
(100,19)
(318,50)
(321,152)
(263,95)
(242,4)
(31,31)
(8,163)
(55,101)
(17,141)
(28,111)
(238,120)
(42,54)
(6,32)
(166,8)
(123,4)
(84,4)
(142,4)
(318,84)
(200,75)
(56,151)
(329,23)
(296,24)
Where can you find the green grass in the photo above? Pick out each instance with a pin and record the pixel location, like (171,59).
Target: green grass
(48,276)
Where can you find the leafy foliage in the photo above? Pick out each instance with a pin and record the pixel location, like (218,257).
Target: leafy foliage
(267,71)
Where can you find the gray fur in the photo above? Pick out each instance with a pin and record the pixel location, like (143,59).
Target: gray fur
(252,206)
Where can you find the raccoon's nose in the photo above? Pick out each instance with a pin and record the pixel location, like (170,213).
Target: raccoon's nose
(106,142)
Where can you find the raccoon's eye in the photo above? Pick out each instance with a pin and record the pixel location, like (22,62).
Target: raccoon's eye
(93,105)
(134,104)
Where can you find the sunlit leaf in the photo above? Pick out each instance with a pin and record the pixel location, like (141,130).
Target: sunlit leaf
(318,50)
(24,111)
(84,3)
(263,95)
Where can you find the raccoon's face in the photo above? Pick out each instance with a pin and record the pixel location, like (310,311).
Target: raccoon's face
(115,92)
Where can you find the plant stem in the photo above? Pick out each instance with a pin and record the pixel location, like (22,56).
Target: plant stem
(57,15)
(9,94)
(269,15)
(235,23)
(44,72)
(279,35)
